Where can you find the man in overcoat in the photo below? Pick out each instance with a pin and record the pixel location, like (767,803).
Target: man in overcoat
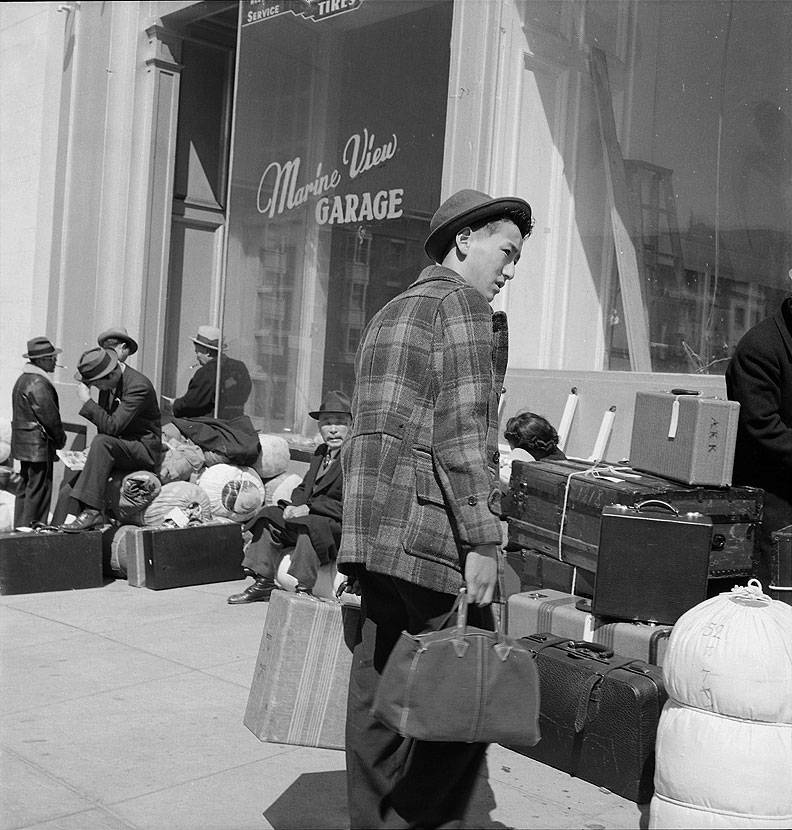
(759,377)
(310,523)
(421,495)
(128,425)
(235,383)
(36,432)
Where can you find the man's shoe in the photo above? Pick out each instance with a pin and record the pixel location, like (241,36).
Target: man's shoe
(259,591)
(89,518)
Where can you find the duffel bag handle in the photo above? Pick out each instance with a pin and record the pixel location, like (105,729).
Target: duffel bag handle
(657,503)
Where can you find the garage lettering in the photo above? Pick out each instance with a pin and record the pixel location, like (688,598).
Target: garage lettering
(341,210)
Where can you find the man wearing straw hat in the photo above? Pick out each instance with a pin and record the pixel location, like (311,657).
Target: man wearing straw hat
(36,432)
(235,383)
(128,425)
(421,495)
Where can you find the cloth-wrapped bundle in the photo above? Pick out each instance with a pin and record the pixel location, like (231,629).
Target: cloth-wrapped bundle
(182,459)
(128,495)
(234,492)
(189,498)
(274,456)
(280,488)
(5,440)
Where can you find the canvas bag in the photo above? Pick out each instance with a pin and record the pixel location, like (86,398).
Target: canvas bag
(460,684)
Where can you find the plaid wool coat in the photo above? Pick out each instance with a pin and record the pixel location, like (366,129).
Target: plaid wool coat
(421,465)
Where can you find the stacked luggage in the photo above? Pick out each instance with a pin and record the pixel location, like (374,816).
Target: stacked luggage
(602,559)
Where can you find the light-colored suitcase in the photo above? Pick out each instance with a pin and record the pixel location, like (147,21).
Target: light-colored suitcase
(299,690)
(566,615)
(684,437)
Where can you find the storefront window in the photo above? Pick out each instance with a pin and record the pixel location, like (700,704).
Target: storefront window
(336,168)
(709,170)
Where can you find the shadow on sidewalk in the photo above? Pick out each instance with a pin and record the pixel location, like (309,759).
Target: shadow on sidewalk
(315,801)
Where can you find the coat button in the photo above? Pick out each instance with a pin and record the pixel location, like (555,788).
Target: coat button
(496,456)
(472,501)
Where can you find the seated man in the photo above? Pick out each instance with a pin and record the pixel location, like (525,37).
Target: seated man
(118,338)
(235,383)
(128,425)
(311,524)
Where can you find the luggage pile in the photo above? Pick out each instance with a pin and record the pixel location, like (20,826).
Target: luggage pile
(190,532)
(603,559)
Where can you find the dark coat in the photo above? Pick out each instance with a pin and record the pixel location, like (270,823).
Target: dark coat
(36,428)
(759,377)
(133,413)
(323,497)
(235,386)
(421,462)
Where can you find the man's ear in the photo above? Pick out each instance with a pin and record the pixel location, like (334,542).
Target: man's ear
(463,240)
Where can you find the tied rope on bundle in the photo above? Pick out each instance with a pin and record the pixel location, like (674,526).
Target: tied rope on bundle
(595,471)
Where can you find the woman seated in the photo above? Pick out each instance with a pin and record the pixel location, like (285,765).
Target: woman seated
(308,528)
(531,438)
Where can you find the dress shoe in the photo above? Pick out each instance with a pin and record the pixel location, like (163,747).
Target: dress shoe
(89,518)
(259,591)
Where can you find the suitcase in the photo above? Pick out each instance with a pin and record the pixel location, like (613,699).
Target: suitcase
(565,615)
(684,437)
(780,586)
(50,561)
(299,690)
(536,501)
(599,714)
(528,570)
(161,558)
(652,566)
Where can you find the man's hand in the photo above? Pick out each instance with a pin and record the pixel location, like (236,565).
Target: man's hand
(481,574)
(83,393)
(294,511)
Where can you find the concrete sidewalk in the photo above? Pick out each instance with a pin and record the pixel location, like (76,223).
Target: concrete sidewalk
(122,708)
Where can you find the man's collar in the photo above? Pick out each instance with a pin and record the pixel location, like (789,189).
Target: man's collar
(32,369)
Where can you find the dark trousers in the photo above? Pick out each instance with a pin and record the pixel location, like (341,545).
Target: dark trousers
(395,782)
(264,556)
(108,453)
(32,504)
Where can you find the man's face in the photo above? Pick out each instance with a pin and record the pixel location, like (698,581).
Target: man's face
(334,429)
(203,355)
(108,381)
(490,255)
(120,347)
(47,363)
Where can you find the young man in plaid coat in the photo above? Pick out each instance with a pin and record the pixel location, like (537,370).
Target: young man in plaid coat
(421,495)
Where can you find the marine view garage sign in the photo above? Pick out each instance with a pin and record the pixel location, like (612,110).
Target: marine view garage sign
(256,11)
(282,186)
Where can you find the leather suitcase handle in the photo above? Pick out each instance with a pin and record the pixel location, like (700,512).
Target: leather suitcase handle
(658,503)
(685,392)
(603,651)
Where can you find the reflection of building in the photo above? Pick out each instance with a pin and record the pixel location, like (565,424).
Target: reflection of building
(134,152)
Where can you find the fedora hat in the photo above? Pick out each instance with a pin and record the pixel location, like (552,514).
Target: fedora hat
(95,364)
(208,336)
(468,207)
(40,347)
(335,403)
(117,333)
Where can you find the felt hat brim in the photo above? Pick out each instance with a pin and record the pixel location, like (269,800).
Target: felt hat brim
(439,240)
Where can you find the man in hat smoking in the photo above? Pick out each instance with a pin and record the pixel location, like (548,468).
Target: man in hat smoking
(235,384)
(311,523)
(421,495)
(36,432)
(128,425)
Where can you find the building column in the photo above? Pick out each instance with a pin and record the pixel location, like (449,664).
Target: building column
(152,191)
